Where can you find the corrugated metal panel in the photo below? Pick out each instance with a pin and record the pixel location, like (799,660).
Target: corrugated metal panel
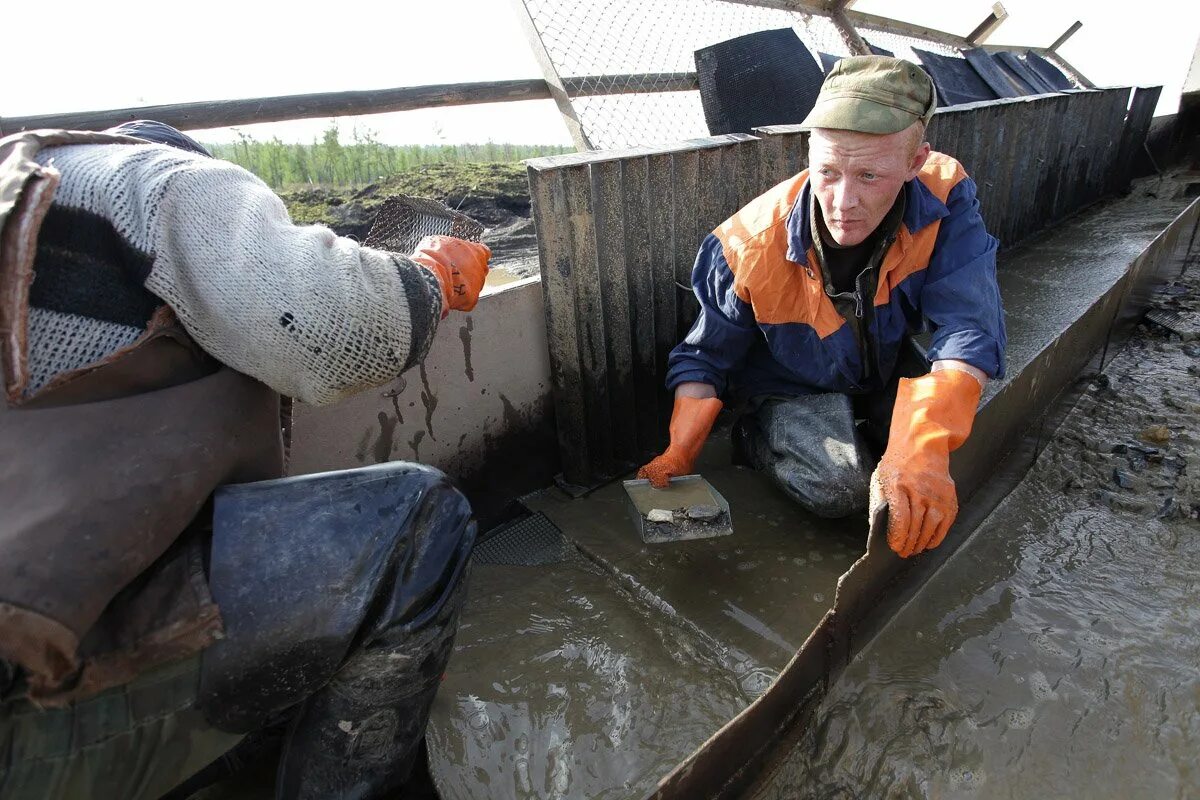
(618,233)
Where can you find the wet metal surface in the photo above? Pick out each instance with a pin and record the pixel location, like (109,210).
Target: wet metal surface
(1056,654)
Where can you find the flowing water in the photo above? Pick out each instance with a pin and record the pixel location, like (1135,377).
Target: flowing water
(1057,654)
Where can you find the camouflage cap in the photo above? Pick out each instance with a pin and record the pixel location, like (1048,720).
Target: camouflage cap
(873,94)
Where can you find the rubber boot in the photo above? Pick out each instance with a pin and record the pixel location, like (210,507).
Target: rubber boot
(358,738)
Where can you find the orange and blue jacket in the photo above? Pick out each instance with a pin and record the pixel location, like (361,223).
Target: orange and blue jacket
(766,325)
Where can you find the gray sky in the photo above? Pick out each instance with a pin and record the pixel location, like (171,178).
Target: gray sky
(109,55)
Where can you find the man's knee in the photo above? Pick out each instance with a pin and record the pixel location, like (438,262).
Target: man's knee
(834,493)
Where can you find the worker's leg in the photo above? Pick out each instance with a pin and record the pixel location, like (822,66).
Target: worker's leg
(340,595)
(811,449)
(133,741)
(874,410)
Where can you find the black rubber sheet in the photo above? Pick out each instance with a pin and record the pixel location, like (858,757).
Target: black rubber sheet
(1015,65)
(999,81)
(764,78)
(1050,73)
(956,80)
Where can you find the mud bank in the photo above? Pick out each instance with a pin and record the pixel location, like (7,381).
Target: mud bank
(496,195)
(1055,654)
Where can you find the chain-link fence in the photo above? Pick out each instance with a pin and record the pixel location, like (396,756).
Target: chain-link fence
(632,38)
(606,50)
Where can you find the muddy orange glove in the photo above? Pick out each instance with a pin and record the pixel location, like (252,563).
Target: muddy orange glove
(691,420)
(932,417)
(460,266)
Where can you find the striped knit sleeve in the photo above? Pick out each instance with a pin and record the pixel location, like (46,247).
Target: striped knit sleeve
(315,316)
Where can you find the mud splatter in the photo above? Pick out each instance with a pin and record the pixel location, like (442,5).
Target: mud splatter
(394,393)
(464,333)
(415,444)
(384,444)
(364,441)
(512,417)
(429,400)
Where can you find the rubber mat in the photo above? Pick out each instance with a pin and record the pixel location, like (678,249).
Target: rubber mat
(527,542)
(1050,73)
(956,80)
(996,78)
(764,78)
(1013,64)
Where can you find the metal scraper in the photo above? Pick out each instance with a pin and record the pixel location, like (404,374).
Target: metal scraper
(689,508)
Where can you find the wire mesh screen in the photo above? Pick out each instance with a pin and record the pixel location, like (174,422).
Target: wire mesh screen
(403,221)
(592,42)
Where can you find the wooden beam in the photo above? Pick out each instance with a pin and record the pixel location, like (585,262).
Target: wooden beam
(863,20)
(986,28)
(558,91)
(1066,35)
(225,113)
(854,43)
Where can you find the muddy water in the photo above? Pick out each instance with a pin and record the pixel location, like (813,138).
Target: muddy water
(1057,654)
(598,698)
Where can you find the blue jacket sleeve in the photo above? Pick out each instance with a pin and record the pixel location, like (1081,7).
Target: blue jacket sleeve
(961,299)
(724,330)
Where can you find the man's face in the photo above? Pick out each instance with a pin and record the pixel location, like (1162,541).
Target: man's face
(856,177)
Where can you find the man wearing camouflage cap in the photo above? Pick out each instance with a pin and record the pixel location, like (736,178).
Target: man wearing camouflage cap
(808,296)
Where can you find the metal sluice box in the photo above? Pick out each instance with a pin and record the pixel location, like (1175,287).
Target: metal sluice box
(689,508)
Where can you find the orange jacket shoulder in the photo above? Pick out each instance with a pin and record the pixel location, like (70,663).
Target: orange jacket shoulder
(940,174)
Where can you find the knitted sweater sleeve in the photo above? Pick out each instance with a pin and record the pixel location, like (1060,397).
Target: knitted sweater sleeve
(315,316)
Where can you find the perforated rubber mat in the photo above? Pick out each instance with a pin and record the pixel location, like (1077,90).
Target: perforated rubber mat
(527,542)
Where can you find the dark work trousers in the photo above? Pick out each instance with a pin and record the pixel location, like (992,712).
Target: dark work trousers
(821,449)
(340,596)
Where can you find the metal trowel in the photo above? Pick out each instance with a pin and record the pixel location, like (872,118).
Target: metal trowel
(689,508)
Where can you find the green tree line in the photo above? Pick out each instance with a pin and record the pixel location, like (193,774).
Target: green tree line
(329,163)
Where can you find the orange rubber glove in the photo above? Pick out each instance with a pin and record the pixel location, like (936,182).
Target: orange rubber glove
(932,418)
(460,266)
(691,420)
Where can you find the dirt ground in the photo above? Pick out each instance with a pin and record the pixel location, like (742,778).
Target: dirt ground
(495,195)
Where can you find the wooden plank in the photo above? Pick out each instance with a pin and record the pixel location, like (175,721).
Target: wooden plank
(1058,167)
(1133,135)
(750,184)
(647,382)
(226,113)
(1054,121)
(554,84)
(1009,136)
(710,191)
(598,156)
(862,20)
(985,29)
(771,168)
(687,231)
(795,153)
(984,165)
(608,206)
(550,217)
(1067,34)
(662,268)
(589,315)
(1040,116)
